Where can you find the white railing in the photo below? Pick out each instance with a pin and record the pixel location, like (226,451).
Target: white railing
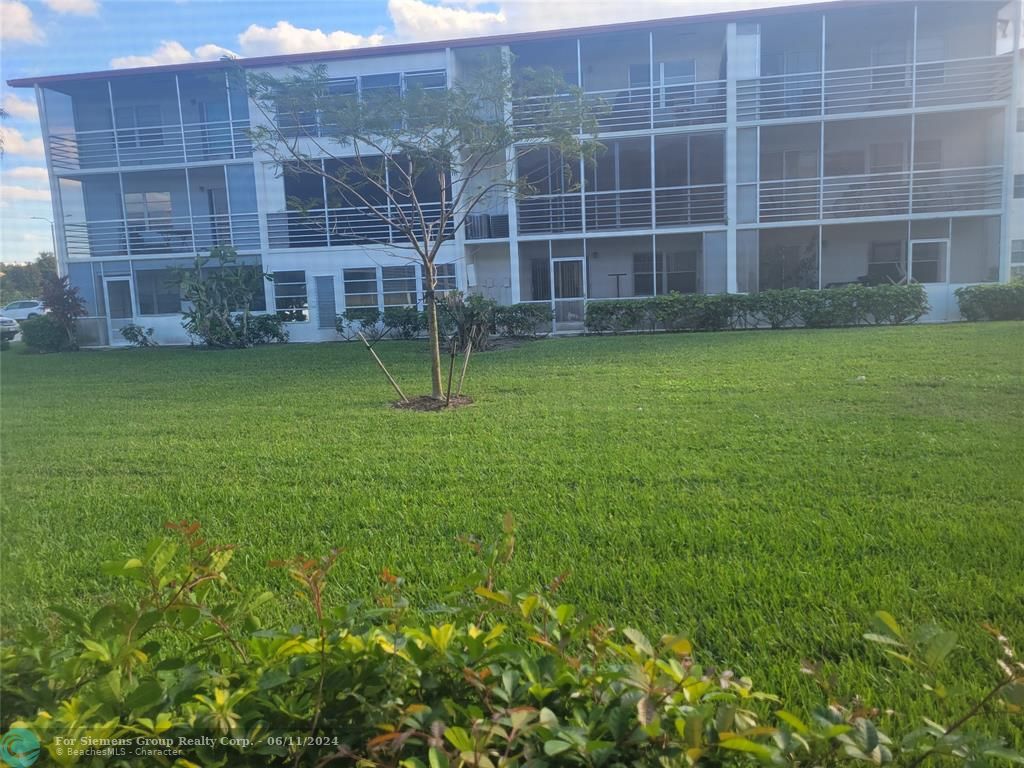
(548,214)
(873,89)
(155,145)
(978,188)
(326,228)
(945,190)
(165,235)
(867,194)
(683,206)
(628,209)
(634,109)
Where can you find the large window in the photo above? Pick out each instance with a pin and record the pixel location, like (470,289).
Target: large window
(158,292)
(151,207)
(1017,258)
(399,286)
(444,274)
(290,298)
(361,288)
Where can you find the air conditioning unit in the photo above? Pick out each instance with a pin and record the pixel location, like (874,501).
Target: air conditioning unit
(499,225)
(478,226)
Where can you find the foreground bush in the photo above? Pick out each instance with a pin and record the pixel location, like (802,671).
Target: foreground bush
(44,334)
(996,301)
(793,307)
(489,678)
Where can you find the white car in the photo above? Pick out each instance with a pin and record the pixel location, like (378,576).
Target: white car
(8,328)
(24,310)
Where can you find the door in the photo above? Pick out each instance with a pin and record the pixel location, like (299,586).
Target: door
(120,307)
(326,304)
(929,265)
(567,289)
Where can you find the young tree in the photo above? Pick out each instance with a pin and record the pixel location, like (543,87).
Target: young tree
(65,305)
(417,160)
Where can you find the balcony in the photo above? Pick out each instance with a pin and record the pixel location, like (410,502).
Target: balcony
(985,79)
(635,109)
(335,227)
(152,145)
(946,190)
(167,235)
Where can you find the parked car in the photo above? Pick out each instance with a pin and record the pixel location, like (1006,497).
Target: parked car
(8,328)
(23,310)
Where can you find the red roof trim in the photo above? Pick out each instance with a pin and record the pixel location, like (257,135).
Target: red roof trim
(403,48)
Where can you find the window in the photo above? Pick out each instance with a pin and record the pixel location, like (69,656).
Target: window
(360,288)
(1017,258)
(150,207)
(399,286)
(290,299)
(158,292)
(444,274)
(885,263)
(677,272)
(643,274)
(139,126)
(432,80)
(1018,186)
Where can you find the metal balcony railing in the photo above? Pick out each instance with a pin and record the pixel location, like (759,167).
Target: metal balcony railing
(551,214)
(326,228)
(151,145)
(635,109)
(628,209)
(873,89)
(683,206)
(164,235)
(945,190)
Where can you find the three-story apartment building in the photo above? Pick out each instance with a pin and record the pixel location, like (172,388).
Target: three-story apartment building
(810,146)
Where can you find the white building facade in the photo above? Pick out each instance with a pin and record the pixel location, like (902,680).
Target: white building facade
(810,147)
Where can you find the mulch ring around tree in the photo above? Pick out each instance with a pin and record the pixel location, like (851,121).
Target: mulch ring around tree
(427,403)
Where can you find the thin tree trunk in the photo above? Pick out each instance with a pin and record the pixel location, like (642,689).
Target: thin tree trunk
(433,333)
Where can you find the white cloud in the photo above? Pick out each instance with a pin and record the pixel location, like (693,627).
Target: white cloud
(12,192)
(76,7)
(168,52)
(287,38)
(28,173)
(211,51)
(21,108)
(417,20)
(17,24)
(15,143)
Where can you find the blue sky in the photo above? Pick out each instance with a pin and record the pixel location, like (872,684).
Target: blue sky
(39,37)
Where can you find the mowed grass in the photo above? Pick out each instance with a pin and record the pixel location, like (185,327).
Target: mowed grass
(764,492)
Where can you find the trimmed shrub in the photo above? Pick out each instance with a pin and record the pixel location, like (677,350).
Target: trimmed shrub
(179,660)
(44,334)
(467,319)
(405,322)
(523,320)
(998,301)
(793,307)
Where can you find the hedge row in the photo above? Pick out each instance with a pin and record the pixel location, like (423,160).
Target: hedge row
(997,301)
(792,307)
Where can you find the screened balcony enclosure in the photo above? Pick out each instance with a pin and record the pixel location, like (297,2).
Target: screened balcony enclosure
(148,120)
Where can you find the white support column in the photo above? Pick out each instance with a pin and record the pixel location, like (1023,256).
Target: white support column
(731,202)
(113,125)
(56,205)
(821,145)
(513,203)
(913,116)
(1009,140)
(231,117)
(184,158)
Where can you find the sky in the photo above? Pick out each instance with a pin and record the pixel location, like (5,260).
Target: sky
(46,37)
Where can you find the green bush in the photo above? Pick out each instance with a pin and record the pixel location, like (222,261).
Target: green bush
(467,319)
(138,336)
(179,660)
(832,307)
(997,301)
(44,334)
(523,320)
(405,322)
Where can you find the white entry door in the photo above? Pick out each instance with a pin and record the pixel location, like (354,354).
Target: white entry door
(568,281)
(120,298)
(929,266)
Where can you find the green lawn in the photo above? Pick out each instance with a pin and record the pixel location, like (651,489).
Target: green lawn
(763,491)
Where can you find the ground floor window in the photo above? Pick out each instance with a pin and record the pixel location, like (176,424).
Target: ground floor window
(360,288)
(399,286)
(158,292)
(291,301)
(1017,259)
(444,274)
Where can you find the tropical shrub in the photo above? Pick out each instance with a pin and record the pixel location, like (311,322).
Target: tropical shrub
(64,306)
(44,334)
(523,320)
(468,320)
(368,321)
(894,304)
(179,660)
(405,322)
(996,301)
(138,336)
(220,294)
